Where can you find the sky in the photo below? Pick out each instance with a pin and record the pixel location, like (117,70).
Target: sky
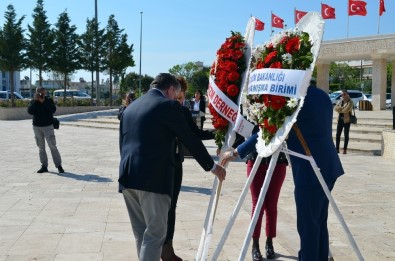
(181,31)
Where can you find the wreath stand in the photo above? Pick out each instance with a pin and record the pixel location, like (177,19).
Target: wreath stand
(207,230)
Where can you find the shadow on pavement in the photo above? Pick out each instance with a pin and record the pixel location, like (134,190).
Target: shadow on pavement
(204,191)
(86,177)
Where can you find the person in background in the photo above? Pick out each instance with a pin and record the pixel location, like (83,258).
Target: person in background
(199,105)
(128,100)
(168,250)
(148,132)
(344,108)
(315,124)
(42,108)
(247,150)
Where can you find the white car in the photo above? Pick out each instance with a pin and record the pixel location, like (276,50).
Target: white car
(388,104)
(355,96)
(6,95)
(76,94)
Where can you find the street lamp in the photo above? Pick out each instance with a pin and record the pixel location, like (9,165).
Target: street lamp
(97,60)
(141,37)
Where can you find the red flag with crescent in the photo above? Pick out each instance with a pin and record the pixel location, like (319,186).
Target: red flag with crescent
(327,12)
(277,21)
(382,7)
(259,25)
(357,7)
(299,15)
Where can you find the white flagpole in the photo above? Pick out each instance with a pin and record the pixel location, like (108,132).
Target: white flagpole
(348,15)
(378,24)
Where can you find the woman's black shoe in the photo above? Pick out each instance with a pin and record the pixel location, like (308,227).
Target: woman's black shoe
(270,254)
(256,254)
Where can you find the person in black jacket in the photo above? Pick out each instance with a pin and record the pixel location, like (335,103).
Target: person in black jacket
(198,106)
(148,131)
(168,250)
(42,108)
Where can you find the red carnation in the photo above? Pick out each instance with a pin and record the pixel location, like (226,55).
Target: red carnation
(260,64)
(232,90)
(292,45)
(277,102)
(266,100)
(230,66)
(236,54)
(270,56)
(277,65)
(270,128)
(233,76)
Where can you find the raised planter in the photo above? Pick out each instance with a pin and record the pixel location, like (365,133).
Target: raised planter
(12,114)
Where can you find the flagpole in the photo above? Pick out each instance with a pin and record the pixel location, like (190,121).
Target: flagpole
(348,15)
(378,24)
(295,15)
(271,23)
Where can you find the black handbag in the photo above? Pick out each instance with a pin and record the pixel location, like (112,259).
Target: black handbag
(55,123)
(353,118)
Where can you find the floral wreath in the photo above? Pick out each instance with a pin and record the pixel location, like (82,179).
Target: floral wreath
(290,49)
(227,71)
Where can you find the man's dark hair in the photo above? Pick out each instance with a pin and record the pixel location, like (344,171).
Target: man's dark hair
(313,82)
(164,80)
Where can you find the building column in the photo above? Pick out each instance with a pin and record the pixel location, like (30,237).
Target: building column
(379,83)
(323,76)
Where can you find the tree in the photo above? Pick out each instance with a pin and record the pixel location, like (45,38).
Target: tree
(124,59)
(92,50)
(66,54)
(118,52)
(113,34)
(185,70)
(199,81)
(41,40)
(131,82)
(343,76)
(12,46)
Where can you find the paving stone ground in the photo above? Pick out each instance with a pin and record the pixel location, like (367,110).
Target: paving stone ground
(80,216)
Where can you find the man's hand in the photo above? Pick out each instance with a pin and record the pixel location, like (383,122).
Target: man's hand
(220,172)
(39,97)
(226,157)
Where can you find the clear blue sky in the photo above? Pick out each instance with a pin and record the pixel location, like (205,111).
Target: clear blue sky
(180,31)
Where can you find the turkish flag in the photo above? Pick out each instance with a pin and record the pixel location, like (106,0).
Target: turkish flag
(382,7)
(327,12)
(259,25)
(357,7)
(299,15)
(277,21)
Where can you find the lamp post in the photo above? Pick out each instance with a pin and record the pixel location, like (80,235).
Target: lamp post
(97,60)
(141,37)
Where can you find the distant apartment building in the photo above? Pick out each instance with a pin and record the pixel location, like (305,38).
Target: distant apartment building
(6,81)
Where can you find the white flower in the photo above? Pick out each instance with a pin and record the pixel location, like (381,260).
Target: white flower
(287,57)
(292,103)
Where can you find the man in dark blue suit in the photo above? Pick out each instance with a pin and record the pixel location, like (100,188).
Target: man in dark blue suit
(315,123)
(148,130)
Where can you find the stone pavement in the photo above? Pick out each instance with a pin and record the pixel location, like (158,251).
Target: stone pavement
(80,216)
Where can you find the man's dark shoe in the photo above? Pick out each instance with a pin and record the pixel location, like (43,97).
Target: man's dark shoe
(256,254)
(60,169)
(270,254)
(43,169)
